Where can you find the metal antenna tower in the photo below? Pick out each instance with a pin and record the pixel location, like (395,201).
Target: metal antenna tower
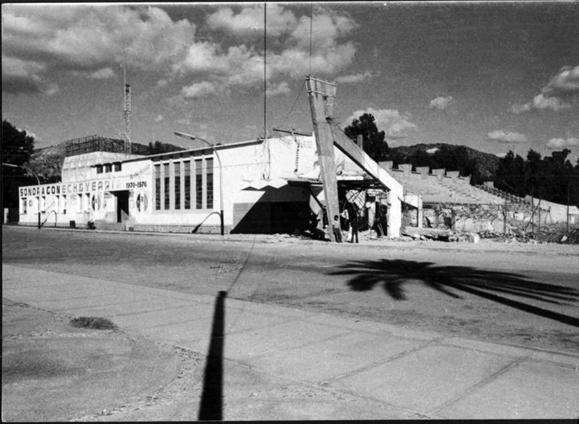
(127,111)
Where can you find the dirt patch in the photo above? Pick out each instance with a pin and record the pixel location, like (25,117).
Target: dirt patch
(52,371)
(94,323)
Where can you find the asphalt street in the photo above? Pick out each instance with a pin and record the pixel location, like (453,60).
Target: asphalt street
(511,294)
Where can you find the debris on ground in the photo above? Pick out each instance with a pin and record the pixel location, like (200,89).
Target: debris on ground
(545,234)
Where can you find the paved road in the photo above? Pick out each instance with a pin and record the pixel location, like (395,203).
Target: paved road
(523,295)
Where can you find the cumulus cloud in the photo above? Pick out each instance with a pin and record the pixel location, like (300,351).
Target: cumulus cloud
(199,90)
(279,89)
(560,143)
(441,102)
(103,73)
(541,102)
(20,76)
(162,83)
(354,78)
(289,56)
(565,82)
(507,136)
(159,118)
(249,21)
(392,122)
(90,38)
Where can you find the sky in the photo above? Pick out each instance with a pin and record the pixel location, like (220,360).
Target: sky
(489,75)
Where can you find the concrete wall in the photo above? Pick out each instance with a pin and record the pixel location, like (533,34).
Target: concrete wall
(478,218)
(95,196)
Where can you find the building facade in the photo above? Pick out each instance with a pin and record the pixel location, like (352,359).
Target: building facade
(267,186)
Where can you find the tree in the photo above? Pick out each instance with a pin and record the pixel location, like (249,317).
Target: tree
(552,178)
(159,147)
(17,146)
(374,141)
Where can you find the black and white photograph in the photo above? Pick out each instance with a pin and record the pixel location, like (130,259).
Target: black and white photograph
(281,211)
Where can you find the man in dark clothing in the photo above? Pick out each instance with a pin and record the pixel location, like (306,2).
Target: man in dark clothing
(353,215)
(337,232)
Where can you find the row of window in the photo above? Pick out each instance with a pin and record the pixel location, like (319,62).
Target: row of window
(186,184)
(108,167)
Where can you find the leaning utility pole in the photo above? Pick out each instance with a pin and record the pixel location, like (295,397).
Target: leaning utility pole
(322,95)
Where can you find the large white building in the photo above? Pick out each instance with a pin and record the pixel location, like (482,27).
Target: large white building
(267,186)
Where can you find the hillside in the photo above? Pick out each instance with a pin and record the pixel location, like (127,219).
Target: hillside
(47,161)
(481,166)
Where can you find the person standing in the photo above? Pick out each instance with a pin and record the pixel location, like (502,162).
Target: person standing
(353,216)
(378,226)
(336,229)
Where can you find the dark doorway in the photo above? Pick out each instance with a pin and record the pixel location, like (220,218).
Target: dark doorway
(122,204)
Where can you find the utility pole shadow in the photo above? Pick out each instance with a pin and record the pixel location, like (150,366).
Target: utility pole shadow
(211,407)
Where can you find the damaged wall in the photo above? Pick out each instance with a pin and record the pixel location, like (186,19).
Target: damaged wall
(479,218)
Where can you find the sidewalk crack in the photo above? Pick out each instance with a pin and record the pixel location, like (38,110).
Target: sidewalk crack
(480,384)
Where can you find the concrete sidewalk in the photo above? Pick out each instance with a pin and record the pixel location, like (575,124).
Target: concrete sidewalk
(286,364)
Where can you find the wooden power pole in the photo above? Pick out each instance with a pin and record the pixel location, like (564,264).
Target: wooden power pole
(322,95)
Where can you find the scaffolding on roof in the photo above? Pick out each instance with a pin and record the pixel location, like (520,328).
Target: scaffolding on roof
(98,143)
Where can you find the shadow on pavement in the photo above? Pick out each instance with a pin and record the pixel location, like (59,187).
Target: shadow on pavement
(211,407)
(451,280)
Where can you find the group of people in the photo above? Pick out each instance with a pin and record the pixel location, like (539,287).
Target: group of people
(351,214)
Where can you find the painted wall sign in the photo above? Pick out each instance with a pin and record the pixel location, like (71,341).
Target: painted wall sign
(67,188)
(135,184)
(142,202)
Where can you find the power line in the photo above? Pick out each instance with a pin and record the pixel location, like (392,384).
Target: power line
(265,70)
(311,30)
(287,116)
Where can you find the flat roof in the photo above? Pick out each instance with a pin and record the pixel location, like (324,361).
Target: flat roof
(181,153)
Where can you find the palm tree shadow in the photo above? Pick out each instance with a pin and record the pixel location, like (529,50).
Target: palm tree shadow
(452,280)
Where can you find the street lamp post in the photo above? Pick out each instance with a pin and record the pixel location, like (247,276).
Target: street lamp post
(11,165)
(216,154)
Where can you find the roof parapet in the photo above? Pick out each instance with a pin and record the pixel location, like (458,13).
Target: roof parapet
(387,165)
(423,170)
(405,167)
(439,172)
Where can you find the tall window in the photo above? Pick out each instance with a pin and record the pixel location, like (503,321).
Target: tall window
(209,167)
(177,184)
(63,207)
(157,187)
(24,205)
(198,184)
(187,181)
(166,185)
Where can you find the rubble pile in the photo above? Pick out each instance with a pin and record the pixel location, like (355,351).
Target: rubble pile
(477,218)
(557,234)
(544,234)
(440,234)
